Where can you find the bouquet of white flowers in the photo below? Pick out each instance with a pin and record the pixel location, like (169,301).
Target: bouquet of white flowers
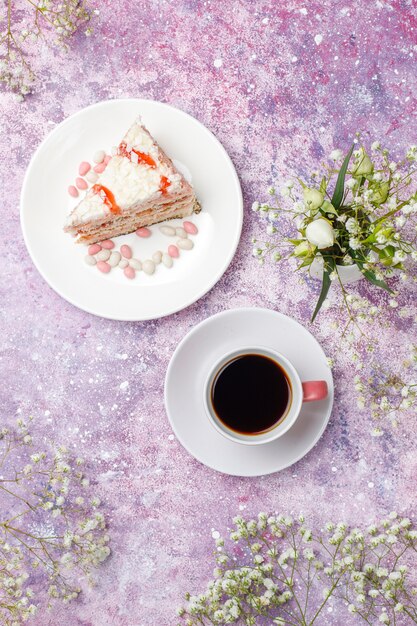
(365,218)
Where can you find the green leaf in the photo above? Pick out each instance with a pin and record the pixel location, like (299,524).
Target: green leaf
(370,275)
(329,266)
(340,183)
(327,207)
(323,185)
(374,280)
(305,263)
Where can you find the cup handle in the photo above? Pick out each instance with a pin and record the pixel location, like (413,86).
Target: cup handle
(314,390)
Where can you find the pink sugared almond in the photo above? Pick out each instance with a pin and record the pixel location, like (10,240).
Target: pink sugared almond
(107,244)
(173,252)
(126,251)
(129,272)
(81,184)
(143,232)
(190,228)
(103,266)
(73,191)
(94,249)
(84,168)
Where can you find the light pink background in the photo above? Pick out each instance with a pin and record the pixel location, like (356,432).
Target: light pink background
(296,80)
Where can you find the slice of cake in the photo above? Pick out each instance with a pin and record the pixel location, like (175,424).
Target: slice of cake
(139,187)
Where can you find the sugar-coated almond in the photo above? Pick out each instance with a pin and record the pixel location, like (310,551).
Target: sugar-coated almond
(90,260)
(84,168)
(73,191)
(190,228)
(129,272)
(81,184)
(126,251)
(114,259)
(99,156)
(107,244)
(91,177)
(136,264)
(185,244)
(181,232)
(167,260)
(148,267)
(94,248)
(103,255)
(103,267)
(169,231)
(100,168)
(157,257)
(173,251)
(143,232)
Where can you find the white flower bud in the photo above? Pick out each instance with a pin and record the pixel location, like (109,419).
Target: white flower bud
(320,233)
(313,198)
(363,165)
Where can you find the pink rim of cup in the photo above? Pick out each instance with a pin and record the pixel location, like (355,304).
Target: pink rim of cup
(307,391)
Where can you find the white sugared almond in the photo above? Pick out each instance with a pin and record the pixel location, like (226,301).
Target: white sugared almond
(114,259)
(167,260)
(90,260)
(148,267)
(185,244)
(91,177)
(157,257)
(136,264)
(99,156)
(103,255)
(180,232)
(169,231)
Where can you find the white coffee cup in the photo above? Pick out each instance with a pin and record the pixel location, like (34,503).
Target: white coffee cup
(300,392)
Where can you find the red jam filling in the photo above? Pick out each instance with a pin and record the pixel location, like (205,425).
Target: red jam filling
(142,157)
(165,183)
(108,198)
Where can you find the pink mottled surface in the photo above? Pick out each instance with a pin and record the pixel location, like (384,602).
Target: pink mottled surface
(280,99)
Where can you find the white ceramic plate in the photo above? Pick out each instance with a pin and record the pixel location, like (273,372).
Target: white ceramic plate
(202,348)
(45,204)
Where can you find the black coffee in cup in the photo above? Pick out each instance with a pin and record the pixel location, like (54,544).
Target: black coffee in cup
(251,394)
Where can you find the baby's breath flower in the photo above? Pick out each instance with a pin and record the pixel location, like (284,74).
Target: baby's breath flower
(54,24)
(45,517)
(335,155)
(254,590)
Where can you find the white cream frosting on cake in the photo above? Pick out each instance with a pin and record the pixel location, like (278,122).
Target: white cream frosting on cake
(128,179)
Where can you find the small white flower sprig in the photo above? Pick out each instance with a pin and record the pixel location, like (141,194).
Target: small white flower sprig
(52,534)
(366,217)
(22,31)
(388,396)
(287,573)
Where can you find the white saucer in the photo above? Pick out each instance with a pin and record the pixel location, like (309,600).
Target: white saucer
(45,204)
(189,367)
